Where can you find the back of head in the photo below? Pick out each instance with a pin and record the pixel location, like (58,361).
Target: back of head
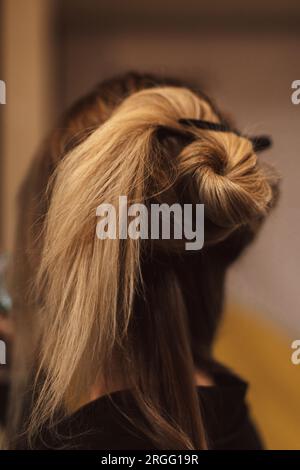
(147,306)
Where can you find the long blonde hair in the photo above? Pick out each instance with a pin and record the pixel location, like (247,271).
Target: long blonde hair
(94,298)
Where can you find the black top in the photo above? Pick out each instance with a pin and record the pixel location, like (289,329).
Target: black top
(100,424)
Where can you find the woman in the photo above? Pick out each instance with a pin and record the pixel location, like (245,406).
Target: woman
(118,333)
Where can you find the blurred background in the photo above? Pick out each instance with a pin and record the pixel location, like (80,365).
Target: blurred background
(246,55)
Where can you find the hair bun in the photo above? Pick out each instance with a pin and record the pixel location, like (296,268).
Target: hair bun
(227,179)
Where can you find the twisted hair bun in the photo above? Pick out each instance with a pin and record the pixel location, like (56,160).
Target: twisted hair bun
(227,178)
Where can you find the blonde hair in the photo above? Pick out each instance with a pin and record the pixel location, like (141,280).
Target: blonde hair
(87,288)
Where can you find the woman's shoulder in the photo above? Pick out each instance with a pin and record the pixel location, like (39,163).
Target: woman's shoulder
(109,422)
(225,412)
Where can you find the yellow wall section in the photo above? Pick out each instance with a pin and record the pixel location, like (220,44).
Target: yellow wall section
(261,354)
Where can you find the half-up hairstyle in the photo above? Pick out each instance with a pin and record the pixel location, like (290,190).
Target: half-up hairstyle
(145,310)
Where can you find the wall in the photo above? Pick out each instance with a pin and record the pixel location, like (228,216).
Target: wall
(27,71)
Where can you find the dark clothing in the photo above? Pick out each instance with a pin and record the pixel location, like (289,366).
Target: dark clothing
(100,424)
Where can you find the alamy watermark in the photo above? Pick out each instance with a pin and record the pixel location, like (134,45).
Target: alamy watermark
(2,92)
(295,96)
(2,352)
(156,222)
(295,357)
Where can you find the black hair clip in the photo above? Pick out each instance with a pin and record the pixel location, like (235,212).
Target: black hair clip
(259,143)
